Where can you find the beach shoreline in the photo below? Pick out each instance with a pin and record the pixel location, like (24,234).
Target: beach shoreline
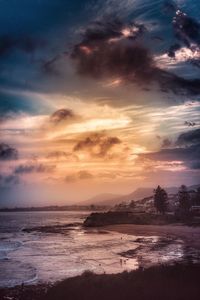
(190,235)
(167,233)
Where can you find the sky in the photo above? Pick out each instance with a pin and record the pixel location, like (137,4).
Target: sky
(97,97)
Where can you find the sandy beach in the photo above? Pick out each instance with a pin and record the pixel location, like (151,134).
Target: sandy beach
(155,281)
(190,235)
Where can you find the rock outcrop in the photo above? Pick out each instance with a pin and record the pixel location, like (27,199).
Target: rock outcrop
(123,217)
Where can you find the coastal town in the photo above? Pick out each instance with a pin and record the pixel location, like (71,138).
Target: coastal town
(185,199)
(159,208)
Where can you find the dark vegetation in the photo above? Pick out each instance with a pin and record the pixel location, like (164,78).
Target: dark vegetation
(123,217)
(178,282)
(186,211)
(185,200)
(160,200)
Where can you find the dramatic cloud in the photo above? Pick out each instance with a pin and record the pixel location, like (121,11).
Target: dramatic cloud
(186,28)
(81,175)
(175,154)
(8,181)
(188,138)
(186,48)
(113,49)
(190,124)
(58,154)
(33,168)
(97,144)
(109,49)
(58,121)
(112,30)
(186,149)
(104,94)
(62,115)
(7,152)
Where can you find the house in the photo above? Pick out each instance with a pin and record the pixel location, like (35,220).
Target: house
(195,210)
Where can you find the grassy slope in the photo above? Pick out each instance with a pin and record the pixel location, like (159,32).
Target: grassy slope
(157,283)
(170,283)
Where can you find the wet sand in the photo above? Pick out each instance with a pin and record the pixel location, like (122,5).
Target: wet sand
(190,235)
(167,234)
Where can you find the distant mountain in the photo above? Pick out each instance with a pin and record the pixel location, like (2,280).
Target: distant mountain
(113,199)
(101,199)
(141,193)
(138,194)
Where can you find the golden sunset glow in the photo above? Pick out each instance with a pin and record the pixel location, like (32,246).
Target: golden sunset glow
(102,103)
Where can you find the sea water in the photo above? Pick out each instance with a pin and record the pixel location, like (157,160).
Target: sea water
(40,257)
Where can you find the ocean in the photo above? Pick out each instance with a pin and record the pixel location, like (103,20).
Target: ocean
(42,257)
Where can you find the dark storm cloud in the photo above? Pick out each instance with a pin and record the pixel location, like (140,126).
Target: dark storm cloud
(187,32)
(121,59)
(8,181)
(33,168)
(106,52)
(186,28)
(97,144)
(178,85)
(62,115)
(7,152)
(183,153)
(186,149)
(104,30)
(173,49)
(118,47)
(188,138)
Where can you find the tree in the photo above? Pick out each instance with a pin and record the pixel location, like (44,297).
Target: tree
(184,199)
(132,204)
(160,200)
(197,197)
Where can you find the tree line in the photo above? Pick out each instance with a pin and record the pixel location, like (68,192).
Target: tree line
(185,201)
